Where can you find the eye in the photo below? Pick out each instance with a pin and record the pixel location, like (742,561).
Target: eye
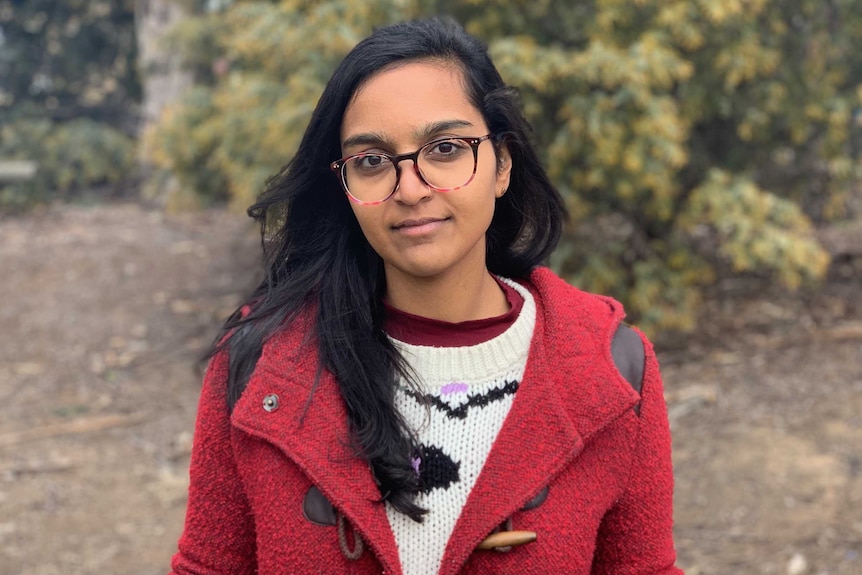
(443,150)
(369,163)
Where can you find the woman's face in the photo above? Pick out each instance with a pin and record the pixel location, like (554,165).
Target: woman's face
(420,232)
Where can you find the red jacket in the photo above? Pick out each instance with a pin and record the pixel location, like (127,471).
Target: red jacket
(573,428)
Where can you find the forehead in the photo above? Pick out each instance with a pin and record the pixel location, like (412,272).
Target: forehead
(400,101)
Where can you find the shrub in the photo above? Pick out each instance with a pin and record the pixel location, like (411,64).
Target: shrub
(73,159)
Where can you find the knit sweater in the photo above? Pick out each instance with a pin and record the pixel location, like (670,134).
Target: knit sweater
(468,392)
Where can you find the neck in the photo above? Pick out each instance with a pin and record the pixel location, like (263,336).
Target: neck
(451,298)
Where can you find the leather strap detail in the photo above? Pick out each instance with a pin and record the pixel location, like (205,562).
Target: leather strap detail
(317,508)
(358,543)
(537,500)
(627,350)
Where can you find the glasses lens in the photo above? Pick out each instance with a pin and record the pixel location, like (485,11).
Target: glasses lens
(447,164)
(369,177)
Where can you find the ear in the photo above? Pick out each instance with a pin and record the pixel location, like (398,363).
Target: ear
(504,170)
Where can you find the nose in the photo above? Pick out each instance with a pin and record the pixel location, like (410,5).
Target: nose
(411,187)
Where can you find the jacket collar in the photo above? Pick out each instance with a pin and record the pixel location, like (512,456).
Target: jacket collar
(563,400)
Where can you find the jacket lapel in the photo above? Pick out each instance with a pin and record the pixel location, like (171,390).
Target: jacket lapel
(315,437)
(562,401)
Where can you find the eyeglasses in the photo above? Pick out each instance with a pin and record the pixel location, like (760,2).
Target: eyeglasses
(443,165)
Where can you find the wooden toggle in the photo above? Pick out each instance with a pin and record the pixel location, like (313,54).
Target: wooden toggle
(507,539)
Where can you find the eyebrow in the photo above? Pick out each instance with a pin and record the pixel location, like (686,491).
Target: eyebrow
(375,138)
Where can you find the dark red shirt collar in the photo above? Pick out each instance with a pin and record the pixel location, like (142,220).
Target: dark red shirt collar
(418,330)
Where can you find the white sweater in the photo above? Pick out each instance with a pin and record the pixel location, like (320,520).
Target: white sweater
(469,391)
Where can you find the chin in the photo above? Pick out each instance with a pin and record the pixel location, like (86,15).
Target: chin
(422,270)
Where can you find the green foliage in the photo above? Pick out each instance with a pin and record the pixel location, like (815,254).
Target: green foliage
(68,88)
(687,136)
(755,229)
(69,59)
(72,158)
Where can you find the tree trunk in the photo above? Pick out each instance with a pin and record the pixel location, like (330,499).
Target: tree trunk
(163,79)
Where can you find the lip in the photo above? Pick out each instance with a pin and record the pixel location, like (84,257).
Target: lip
(418,226)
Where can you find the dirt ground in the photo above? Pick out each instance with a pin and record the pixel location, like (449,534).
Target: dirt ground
(106,310)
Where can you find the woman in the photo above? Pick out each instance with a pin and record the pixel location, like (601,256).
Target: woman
(407,391)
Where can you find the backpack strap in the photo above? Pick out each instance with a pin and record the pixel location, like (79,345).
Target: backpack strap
(627,350)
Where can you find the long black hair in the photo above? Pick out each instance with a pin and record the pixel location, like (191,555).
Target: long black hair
(317,258)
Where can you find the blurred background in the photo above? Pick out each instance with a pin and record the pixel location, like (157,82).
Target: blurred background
(708,151)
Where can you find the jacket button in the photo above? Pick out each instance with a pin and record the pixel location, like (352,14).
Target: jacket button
(270,402)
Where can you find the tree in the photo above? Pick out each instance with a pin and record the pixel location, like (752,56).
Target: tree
(689,137)
(68,94)
(68,60)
